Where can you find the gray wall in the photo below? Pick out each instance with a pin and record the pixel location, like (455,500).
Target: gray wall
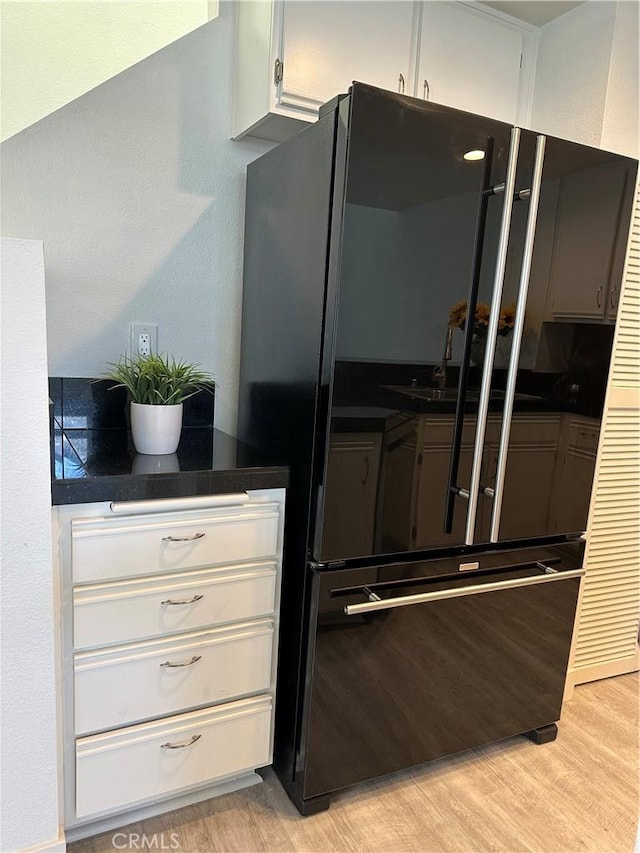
(138,194)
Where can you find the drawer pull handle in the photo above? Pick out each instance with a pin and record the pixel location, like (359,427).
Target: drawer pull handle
(186,601)
(193,660)
(183,538)
(180,745)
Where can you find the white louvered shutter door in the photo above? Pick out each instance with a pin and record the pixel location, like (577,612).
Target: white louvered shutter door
(606,641)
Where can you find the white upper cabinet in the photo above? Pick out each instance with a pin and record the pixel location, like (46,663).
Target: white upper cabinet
(291,57)
(470,61)
(327,45)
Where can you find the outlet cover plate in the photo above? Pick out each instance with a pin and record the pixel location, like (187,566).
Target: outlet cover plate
(137,329)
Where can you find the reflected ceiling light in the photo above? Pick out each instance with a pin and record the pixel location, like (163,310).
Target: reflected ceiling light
(476,154)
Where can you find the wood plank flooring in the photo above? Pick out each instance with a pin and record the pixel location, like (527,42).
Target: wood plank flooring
(579,793)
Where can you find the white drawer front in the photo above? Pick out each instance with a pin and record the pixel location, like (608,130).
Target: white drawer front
(108,548)
(130,766)
(129,610)
(127,684)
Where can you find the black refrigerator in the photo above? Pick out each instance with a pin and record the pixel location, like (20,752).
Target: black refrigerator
(428,314)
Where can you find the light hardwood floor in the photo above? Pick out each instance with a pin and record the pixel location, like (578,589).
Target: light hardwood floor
(579,793)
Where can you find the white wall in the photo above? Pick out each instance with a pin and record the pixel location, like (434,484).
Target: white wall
(620,124)
(572,73)
(138,194)
(53,52)
(29,790)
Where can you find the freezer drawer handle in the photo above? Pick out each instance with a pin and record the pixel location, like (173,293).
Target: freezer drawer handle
(185,601)
(189,742)
(461,592)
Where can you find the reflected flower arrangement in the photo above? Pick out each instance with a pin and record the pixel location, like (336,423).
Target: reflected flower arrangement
(458,320)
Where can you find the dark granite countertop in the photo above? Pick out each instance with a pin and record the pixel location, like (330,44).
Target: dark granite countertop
(102,465)
(93,457)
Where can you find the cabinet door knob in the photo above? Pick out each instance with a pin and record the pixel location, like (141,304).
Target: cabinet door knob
(426,90)
(183,538)
(612,297)
(401,84)
(599,297)
(189,742)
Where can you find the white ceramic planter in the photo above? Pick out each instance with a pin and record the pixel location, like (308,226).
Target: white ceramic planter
(156,429)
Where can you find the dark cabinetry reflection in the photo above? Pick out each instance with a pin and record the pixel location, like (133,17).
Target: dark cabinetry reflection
(353,475)
(384,491)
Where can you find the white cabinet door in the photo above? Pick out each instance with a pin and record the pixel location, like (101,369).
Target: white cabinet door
(105,549)
(326,45)
(128,610)
(127,684)
(292,56)
(471,62)
(118,769)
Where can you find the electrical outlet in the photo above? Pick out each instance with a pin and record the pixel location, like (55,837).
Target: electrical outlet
(143,338)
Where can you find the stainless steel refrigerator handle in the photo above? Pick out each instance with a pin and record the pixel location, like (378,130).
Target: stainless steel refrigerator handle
(461,592)
(516,340)
(492,335)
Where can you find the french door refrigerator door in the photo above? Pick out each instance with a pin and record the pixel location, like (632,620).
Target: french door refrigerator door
(450,377)
(564,266)
(409,667)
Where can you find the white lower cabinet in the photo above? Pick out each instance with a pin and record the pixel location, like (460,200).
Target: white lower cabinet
(136,609)
(116,769)
(166,677)
(169,650)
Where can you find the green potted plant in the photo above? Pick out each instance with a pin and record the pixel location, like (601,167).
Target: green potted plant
(157,386)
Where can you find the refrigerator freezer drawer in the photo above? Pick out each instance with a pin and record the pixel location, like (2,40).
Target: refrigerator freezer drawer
(401,679)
